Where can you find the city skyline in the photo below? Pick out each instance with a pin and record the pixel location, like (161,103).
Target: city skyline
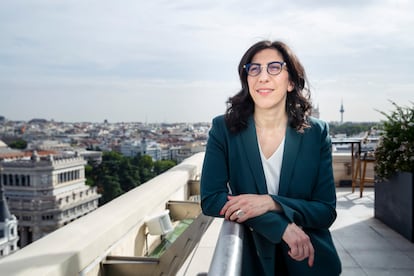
(163,61)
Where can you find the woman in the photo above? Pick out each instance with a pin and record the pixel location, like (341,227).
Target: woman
(268,166)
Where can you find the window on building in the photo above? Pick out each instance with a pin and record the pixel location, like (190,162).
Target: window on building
(47,217)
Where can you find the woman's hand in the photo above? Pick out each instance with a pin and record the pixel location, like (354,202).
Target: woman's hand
(242,207)
(299,243)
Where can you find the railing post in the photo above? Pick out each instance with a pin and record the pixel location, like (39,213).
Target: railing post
(228,252)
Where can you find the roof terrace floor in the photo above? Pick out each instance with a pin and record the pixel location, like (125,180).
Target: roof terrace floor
(365,245)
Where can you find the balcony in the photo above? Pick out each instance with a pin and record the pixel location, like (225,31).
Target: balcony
(115,238)
(116,229)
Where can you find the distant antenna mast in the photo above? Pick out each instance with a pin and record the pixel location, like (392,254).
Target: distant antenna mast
(342,110)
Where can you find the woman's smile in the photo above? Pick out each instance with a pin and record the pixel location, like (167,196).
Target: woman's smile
(264,91)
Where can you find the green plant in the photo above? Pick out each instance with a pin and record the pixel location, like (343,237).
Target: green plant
(395,151)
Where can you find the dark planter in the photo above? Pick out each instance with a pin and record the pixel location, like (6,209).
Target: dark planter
(394,203)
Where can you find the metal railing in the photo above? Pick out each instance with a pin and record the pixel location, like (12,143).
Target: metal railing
(227,256)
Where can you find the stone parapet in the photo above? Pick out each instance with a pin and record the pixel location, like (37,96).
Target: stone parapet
(117,228)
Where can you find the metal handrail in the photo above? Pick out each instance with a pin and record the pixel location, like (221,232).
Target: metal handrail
(227,256)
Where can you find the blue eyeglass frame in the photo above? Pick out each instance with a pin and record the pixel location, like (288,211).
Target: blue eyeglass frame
(248,65)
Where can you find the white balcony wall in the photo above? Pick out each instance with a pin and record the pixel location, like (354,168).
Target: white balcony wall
(117,228)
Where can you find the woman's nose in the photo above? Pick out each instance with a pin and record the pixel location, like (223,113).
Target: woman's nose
(263,76)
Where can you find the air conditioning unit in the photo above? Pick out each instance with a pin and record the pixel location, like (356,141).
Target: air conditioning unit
(159,224)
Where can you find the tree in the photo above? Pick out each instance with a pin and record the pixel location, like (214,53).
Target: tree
(128,175)
(146,168)
(105,176)
(351,129)
(163,165)
(110,188)
(117,174)
(89,174)
(18,144)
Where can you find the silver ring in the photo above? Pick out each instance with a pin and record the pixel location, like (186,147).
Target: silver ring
(239,213)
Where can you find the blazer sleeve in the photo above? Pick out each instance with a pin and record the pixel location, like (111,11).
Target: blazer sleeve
(215,171)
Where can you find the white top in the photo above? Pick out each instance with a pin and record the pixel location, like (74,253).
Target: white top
(272,167)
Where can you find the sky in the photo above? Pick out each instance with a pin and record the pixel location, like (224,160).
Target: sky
(176,61)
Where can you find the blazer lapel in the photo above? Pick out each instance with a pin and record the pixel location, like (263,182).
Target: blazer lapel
(251,148)
(293,139)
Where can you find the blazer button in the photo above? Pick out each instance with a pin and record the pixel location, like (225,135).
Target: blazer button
(251,229)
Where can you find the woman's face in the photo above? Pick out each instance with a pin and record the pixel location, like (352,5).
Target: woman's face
(269,91)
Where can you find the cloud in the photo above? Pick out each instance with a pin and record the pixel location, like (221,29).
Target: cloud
(355,50)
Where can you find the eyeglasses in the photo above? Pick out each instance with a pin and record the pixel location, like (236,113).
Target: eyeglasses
(273,68)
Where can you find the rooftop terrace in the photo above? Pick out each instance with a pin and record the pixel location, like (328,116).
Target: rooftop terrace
(365,245)
(83,247)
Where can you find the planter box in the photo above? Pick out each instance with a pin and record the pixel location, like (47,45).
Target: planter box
(394,204)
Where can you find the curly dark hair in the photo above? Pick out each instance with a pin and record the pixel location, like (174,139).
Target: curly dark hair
(298,106)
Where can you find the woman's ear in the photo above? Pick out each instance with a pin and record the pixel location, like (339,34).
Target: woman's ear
(291,86)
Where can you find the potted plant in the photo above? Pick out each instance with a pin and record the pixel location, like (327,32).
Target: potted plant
(394,169)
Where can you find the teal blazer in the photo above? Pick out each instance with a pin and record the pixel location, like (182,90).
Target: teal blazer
(232,164)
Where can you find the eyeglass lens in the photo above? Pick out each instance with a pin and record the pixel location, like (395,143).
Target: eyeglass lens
(273,68)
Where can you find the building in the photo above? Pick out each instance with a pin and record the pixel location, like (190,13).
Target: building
(144,147)
(181,153)
(8,228)
(45,193)
(130,148)
(7,153)
(315,112)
